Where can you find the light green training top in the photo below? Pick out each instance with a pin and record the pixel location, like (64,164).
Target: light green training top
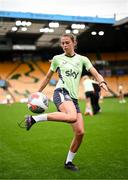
(70,70)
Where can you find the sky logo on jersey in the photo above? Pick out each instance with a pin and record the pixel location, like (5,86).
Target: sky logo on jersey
(71,73)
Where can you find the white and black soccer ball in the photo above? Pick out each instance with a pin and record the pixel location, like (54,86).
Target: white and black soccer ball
(37,102)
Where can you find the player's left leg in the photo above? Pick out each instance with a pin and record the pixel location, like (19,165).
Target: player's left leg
(78,128)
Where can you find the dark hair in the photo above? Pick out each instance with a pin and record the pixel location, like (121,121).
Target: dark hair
(71,36)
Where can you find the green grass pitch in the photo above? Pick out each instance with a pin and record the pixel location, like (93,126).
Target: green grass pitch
(40,153)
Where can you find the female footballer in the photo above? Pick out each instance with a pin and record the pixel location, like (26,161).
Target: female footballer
(69,66)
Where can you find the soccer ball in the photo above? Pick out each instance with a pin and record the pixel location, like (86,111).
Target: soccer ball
(37,102)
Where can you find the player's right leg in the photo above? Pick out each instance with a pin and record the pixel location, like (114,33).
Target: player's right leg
(69,116)
(29,121)
(65,105)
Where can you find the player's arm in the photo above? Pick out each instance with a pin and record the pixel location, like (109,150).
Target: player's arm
(99,78)
(46,80)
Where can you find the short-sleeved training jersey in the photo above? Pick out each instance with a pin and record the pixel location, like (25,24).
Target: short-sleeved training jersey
(69,70)
(88,86)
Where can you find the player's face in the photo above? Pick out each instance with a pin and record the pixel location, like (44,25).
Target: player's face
(67,45)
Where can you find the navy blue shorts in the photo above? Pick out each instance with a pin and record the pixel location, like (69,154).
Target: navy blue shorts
(60,95)
(89,93)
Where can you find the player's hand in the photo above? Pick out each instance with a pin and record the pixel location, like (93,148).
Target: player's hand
(103,85)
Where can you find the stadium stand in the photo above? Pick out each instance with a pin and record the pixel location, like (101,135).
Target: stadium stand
(118,56)
(25,78)
(25,55)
